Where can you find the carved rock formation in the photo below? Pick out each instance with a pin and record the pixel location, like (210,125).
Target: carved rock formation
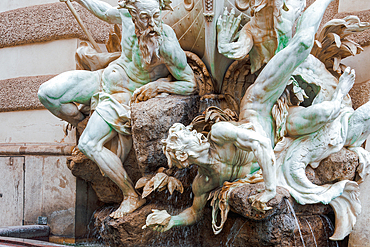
(150,123)
(337,167)
(287,224)
(106,190)
(290,225)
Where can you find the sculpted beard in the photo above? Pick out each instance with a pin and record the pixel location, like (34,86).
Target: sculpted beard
(149,41)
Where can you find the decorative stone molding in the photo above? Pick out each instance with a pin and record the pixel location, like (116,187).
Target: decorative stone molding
(43,149)
(21,93)
(48,22)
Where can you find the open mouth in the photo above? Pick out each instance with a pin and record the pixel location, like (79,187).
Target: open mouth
(152,33)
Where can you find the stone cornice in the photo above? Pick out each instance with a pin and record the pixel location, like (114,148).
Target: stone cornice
(48,22)
(54,21)
(36,149)
(20,93)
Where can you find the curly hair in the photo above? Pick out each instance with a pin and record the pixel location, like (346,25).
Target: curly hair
(130,4)
(178,144)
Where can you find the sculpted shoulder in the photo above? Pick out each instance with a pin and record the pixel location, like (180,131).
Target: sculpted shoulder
(126,19)
(170,48)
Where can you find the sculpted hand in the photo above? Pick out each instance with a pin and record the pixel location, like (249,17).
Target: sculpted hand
(227,27)
(159,221)
(149,90)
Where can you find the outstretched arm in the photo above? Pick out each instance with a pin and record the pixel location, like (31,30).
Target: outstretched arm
(190,215)
(176,62)
(102,10)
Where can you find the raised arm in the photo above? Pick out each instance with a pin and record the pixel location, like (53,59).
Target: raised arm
(272,80)
(102,10)
(227,27)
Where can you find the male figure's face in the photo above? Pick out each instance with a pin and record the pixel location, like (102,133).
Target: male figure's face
(147,17)
(194,143)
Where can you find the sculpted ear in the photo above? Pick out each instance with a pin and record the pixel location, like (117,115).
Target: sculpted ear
(181,156)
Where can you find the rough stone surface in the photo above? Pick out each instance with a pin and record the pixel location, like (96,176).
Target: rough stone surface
(106,190)
(285,228)
(20,93)
(239,201)
(287,224)
(48,22)
(281,203)
(338,166)
(360,94)
(330,11)
(151,121)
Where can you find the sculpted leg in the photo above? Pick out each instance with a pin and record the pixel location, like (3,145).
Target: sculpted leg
(59,93)
(358,132)
(91,143)
(261,96)
(359,126)
(305,120)
(270,84)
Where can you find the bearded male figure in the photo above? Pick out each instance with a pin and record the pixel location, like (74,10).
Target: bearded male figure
(150,53)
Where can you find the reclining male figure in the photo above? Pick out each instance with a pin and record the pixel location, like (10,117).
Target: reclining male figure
(150,53)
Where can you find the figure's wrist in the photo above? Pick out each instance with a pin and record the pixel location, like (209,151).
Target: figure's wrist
(223,48)
(170,224)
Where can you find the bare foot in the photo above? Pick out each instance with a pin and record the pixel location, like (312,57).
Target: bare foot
(259,201)
(128,205)
(346,81)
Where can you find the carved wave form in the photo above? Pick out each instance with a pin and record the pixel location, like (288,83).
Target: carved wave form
(346,208)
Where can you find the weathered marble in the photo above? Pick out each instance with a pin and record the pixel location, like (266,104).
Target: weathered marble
(151,120)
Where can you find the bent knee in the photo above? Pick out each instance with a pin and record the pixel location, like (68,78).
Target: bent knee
(46,92)
(87,147)
(42,93)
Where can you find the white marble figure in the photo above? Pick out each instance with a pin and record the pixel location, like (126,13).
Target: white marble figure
(230,147)
(317,131)
(268,31)
(150,53)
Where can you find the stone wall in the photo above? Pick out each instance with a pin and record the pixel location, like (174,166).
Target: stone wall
(38,41)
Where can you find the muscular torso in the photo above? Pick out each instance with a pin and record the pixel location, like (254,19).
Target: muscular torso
(135,72)
(226,163)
